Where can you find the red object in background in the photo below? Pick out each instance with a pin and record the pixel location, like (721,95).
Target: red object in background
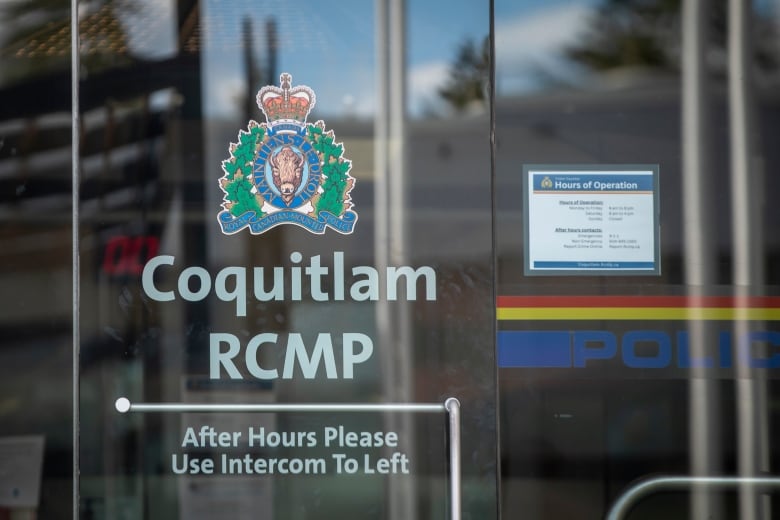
(126,255)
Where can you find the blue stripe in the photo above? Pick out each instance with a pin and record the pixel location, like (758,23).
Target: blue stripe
(534,349)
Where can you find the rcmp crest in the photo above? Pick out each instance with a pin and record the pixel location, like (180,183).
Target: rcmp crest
(286,171)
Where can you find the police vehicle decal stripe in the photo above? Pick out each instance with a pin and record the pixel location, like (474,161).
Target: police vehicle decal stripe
(765,308)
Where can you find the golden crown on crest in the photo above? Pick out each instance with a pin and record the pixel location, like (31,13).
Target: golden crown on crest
(286,103)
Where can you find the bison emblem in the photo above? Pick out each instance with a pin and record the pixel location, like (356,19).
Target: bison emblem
(287,169)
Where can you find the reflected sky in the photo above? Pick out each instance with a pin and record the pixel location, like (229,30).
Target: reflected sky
(530,38)
(330,46)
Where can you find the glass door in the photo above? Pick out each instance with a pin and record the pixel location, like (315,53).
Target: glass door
(637,299)
(286,260)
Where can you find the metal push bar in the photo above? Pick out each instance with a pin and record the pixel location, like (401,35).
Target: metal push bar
(451,406)
(641,489)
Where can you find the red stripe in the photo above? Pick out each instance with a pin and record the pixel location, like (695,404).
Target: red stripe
(639,301)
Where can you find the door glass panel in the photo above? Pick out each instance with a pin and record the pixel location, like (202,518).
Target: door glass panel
(608,375)
(36,457)
(334,247)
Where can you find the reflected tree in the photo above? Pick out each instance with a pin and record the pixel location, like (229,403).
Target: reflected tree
(647,33)
(468,76)
(625,33)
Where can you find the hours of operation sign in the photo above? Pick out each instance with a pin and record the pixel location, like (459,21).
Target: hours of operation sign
(591,220)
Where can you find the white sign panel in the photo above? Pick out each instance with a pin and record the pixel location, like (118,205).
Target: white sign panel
(591,220)
(21,461)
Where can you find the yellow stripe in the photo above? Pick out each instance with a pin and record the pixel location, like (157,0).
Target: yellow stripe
(637,313)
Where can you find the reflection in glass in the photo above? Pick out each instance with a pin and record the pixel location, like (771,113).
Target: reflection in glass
(154,187)
(608,82)
(35,311)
